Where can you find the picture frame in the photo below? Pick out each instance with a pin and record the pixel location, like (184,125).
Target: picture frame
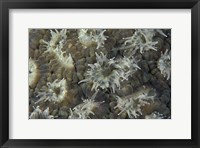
(6,5)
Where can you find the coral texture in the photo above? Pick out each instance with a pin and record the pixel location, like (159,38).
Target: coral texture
(99,73)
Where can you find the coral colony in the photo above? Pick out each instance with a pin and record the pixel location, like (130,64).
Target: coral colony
(99,73)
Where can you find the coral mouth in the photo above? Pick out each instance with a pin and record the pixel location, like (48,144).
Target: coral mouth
(57,91)
(107,71)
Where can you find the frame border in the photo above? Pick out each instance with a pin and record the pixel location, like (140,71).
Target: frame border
(5,5)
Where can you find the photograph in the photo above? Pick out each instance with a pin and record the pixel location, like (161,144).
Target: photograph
(99,73)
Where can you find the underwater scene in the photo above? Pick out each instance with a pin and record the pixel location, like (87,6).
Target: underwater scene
(99,73)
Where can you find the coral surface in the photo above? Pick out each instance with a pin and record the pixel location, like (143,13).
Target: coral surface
(95,73)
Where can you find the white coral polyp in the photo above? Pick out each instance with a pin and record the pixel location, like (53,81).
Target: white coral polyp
(55,46)
(105,73)
(57,38)
(132,104)
(85,109)
(85,38)
(142,40)
(100,38)
(128,66)
(95,36)
(55,92)
(164,64)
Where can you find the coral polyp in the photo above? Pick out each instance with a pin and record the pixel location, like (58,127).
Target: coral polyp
(128,66)
(133,104)
(55,92)
(85,38)
(164,64)
(55,45)
(33,74)
(99,38)
(108,73)
(142,40)
(92,37)
(85,109)
(57,39)
(105,73)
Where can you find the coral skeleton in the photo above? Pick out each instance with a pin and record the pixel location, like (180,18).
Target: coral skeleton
(132,104)
(33,75)
(55,46)
(164,64)
(55,92)
(107,73)
(39,114)
(92,37)
(85,109)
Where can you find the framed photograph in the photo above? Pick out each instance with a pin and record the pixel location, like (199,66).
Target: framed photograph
(104,73)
